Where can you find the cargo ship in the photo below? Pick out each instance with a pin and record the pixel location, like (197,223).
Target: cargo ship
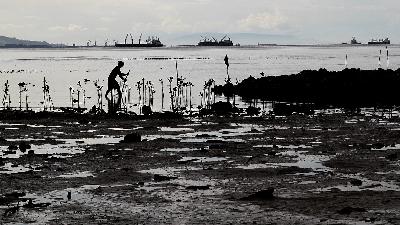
(354,41)
(151,42)
(214,42)
(385,41)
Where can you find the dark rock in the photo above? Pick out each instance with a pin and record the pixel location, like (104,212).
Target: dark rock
(378,145)
(267,194)
(285,109)
(272,153)
(356,182)
(215,141)
(196,188)
(252,111)
(132,138)
(146,110)
(84,121)
(23,146)
(292,170)
(12,147)
(348,210)
(15,195)
(222,108)
(31,152)
(160,178)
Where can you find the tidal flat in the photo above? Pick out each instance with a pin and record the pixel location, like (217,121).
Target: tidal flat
(326,168)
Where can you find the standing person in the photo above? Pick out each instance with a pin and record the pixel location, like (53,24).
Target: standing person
(113,84)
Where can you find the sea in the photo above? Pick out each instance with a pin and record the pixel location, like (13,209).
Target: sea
(67,70)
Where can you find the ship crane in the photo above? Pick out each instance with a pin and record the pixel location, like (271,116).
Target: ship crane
(140,38)
(131,38)
(215,39)
(88,43)
(223,38)
(106,43)
(126,38)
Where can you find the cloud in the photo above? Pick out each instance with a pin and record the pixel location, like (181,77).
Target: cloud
(70,28)
(173,24)
(262,21)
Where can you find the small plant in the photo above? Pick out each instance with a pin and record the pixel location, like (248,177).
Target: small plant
(47,100)
(99,89)
(6,96)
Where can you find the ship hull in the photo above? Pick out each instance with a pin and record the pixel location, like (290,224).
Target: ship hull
(214,44)
(139,45)
(379,43)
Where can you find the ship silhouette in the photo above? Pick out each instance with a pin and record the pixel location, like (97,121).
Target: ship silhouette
(214,42)
(385,41)
(151,42)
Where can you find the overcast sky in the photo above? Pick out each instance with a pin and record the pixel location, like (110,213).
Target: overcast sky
(326,21)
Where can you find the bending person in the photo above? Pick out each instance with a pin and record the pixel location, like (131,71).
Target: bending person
(113,84)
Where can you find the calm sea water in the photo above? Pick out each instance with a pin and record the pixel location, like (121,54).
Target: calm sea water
(64,68)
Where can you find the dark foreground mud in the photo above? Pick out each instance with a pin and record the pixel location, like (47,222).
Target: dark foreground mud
(321,169)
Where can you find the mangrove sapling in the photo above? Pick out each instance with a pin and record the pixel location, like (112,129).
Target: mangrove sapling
(78,93)
(162,93)
(170,79)
(99,90)
(138,87)
(190,95)
(387,58)
(47,100)
(22,89)
(6,96)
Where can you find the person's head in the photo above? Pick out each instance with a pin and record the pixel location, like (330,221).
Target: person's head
(120,63)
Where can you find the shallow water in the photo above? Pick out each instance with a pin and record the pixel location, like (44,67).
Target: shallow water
(66,67)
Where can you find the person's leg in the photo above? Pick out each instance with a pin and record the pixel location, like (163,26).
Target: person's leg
(107,92)
(119,98)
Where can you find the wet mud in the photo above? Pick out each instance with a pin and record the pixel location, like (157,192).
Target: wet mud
(327,168)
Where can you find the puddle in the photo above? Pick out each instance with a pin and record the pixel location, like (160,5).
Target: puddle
(10,168)
(313,162)
(179,149)
(175,129)
(283,146)
(88,131)
(67,149)
(123,129)
(202,159)
(394,147)
(202,140)
(11,124)
(308,182)
(366,185)
(304,161)
(170,170)
(42,126)
(83,174)
(191,138)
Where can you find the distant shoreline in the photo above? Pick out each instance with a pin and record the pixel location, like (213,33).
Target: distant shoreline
(201,47)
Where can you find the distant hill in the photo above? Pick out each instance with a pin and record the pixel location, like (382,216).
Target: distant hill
(14,42)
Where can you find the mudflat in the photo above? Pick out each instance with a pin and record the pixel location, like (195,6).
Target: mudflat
(327,168)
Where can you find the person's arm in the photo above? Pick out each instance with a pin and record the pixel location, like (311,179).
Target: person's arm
(121,75)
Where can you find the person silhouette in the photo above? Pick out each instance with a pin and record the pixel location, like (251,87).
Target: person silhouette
(113,84)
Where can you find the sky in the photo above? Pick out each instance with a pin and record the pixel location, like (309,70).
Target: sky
(318,21)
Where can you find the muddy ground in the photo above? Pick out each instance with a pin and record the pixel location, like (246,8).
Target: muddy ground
(328,168)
